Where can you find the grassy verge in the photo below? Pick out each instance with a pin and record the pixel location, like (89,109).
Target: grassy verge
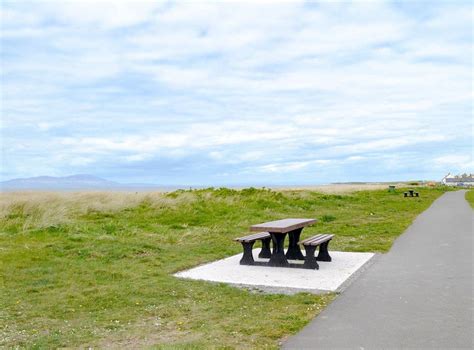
(470,197)
(94,269)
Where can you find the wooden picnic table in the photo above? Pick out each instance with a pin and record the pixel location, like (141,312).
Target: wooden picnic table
(411,193)
(278,230)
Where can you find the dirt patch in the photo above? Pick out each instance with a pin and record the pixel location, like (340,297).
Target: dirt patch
(142,334)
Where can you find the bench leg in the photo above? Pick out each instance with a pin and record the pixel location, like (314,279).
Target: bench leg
(310,261)
(247,258)
(265,253)
(405,195)
(278,257)
(294,250)
(323,252)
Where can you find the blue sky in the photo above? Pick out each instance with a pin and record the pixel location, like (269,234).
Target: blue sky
(236,93)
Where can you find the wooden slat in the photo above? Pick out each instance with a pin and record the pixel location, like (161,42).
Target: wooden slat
(313,238)
(324,237)
(316,240)
(253,237)
(322,240)
(283,226)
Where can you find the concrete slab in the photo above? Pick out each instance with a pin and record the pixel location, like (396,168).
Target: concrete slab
(332,276)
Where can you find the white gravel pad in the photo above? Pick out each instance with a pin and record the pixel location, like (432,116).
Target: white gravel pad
(331,276)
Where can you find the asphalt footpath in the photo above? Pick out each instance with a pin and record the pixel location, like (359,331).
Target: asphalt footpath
(418,296)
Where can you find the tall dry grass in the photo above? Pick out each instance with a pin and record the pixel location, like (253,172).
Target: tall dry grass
(40,209)
(44,209)
(345,188)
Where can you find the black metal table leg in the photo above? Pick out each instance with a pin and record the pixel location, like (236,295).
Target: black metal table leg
(294,251)
(323,252)
(265,252)
(278,257)
(310,261)
(247,257)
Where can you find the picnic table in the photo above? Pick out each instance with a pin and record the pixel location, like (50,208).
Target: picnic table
(278,230)
(411,193)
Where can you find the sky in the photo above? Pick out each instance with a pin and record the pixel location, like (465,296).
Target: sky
(236,93)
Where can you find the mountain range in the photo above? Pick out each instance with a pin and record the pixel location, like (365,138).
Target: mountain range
(73,182)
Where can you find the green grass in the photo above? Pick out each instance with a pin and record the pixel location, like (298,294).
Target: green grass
(74,275)
(470,197)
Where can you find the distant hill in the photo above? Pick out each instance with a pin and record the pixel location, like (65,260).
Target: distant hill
(73,182)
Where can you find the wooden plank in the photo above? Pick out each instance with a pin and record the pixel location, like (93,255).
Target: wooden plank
(283,226)
(253,237)
(318,239)
(322,240)
(309,239)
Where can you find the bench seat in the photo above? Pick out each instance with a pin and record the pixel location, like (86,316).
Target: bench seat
(310,244)
(247,244)
(411,194)
(253,237)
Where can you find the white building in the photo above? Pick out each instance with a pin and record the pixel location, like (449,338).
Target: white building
(458,180)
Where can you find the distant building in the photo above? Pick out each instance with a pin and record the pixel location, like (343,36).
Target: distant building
(459,180)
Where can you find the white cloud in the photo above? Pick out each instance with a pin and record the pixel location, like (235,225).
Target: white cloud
(265,87)
(288,167)
(138,157)
(458,162)
(106,14)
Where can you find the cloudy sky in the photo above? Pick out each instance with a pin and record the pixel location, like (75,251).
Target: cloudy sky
(229,93)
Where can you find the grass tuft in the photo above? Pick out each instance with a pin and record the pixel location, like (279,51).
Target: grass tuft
(328,218)
(470,197)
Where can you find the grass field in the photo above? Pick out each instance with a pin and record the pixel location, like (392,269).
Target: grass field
(470,197)
(94,269)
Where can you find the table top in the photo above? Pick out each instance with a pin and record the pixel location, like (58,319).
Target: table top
(282,226)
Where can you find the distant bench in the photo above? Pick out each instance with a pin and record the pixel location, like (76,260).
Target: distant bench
(411,193)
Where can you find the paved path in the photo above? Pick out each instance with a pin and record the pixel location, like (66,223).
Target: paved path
(419,295)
